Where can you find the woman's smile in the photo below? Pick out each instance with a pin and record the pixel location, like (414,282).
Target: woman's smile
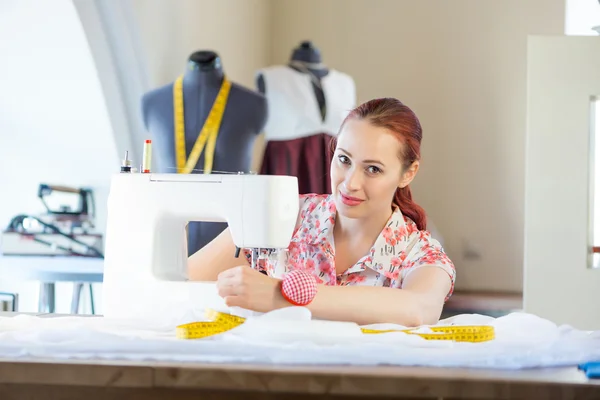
(349,200)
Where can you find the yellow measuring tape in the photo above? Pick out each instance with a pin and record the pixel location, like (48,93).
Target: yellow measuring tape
(221,322)
(209,132)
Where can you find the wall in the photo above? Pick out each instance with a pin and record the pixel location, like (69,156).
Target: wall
(461,65)
(53,122)
(237,29)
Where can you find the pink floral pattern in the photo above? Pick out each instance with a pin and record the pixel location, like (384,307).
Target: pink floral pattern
(400,249)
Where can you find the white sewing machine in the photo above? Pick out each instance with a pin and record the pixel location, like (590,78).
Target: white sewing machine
(145,266)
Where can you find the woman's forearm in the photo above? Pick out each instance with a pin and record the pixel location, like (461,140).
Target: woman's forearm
(370,305)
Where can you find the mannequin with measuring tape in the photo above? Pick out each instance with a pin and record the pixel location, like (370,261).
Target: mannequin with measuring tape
(307,103)
(203,123)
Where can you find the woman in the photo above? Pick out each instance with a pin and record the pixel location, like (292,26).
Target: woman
(365,246)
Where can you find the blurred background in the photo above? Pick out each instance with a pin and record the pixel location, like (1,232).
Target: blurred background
(74,73)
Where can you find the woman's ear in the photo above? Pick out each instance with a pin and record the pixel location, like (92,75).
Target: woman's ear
(409,175)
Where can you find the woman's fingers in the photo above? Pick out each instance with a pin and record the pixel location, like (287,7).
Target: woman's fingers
(230,284)
(227,273)
(247,288)
(235,271)
(225,291)
(235,301)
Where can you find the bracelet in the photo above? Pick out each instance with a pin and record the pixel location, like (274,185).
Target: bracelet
(299,288)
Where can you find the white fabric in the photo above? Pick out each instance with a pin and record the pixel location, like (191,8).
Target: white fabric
(289,336)
(294,109)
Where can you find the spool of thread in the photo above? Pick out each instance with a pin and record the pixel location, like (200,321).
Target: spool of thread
(147,157)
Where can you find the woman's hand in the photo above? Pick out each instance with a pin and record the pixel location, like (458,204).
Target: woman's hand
(247,288)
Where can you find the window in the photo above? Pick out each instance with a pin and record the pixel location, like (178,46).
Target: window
(54,124)
(582,17)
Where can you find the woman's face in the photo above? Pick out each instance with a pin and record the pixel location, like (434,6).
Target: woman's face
(366,169)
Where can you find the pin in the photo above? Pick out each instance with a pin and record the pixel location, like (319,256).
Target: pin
(147,157)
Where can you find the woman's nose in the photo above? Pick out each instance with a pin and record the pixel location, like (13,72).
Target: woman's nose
(353,179)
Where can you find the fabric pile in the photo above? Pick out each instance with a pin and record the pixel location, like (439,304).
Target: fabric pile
(290,336)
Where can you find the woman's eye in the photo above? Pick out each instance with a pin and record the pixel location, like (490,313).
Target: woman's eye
(374,170)
(343,159)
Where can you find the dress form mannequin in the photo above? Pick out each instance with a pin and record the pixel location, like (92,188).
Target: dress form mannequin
(307,103)
(305,58)
(244,118)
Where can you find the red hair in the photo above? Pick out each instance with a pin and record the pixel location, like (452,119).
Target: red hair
(400,120)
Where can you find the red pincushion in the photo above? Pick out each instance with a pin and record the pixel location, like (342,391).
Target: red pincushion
(299,288)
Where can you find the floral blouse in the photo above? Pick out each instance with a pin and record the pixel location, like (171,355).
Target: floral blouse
(400,249)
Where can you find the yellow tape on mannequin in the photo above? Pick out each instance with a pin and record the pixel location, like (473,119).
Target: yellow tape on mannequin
(209,131)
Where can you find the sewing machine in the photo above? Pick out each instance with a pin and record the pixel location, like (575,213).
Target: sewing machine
(145,265)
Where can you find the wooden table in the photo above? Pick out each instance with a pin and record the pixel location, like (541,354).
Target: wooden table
(91,380)
(96,379)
